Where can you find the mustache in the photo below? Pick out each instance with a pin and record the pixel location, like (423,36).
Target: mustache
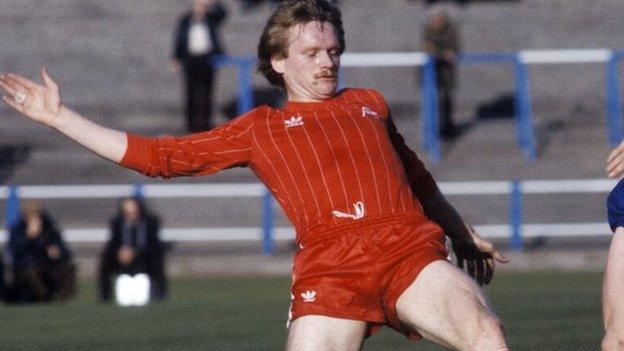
(327,74)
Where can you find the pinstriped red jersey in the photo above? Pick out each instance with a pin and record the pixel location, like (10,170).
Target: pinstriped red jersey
(328,164)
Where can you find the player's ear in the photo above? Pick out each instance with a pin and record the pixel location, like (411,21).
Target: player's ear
(277,62)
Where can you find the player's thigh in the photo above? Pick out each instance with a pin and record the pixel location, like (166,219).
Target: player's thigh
(322,333)
(445,306)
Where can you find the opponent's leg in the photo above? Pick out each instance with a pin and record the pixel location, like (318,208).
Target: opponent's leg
(322,333)
(447,307)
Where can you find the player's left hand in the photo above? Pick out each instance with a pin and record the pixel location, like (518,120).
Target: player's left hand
(478,256)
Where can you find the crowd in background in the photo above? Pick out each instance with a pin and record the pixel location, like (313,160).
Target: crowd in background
(37,265)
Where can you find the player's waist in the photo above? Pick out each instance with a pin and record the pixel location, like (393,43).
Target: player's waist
(331,230)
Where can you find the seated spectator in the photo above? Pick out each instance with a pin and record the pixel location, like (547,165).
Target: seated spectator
(133,247)
(41,262)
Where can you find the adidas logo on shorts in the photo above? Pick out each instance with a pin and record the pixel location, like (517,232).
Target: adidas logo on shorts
(309,296)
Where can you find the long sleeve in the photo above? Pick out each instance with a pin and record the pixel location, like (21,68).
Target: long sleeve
(422,183)
(226,146)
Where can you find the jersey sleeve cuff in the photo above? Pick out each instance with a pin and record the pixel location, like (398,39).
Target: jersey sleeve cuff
(137,152)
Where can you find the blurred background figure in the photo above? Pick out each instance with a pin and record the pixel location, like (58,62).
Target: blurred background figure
(41,264)
(197,42)
(441,40)
(134,247)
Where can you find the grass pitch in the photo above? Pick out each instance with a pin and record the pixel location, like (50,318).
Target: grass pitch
(541,311)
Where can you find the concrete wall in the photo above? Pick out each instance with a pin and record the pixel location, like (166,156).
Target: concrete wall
(112,56)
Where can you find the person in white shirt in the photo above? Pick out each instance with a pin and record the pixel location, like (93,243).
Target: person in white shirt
(197,42)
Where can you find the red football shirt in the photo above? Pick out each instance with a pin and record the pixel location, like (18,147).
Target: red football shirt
(329,164)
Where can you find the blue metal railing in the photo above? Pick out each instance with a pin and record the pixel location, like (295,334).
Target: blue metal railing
(515,228)
(525,126)
(614,102)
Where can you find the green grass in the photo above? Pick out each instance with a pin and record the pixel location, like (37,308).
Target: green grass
(541,311)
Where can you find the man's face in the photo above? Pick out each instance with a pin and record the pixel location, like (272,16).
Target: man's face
(310,70)
(200,7)
(130,209)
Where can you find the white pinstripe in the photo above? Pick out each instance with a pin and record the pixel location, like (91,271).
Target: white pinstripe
(344,137)
(368,156)
(294,181)
(383,155)
(318,162)
(314,196)
(342,183)
(290,206)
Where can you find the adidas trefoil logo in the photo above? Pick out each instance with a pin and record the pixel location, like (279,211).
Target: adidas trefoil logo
(367,112)
(309,296)
(293,122)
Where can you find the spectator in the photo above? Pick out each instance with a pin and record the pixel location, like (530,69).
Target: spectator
(197,43)
(41,262)
(441,40)
(134,247)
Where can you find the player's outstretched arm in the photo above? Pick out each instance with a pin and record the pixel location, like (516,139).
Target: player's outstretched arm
(615,162)
(43,104)
(474,254)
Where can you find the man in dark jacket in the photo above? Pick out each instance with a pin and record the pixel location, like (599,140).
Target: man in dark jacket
(134,247)
(441,40)
(197,42)
(42,268)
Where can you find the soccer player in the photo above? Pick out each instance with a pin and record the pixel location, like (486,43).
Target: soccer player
(369,217)
(613,288)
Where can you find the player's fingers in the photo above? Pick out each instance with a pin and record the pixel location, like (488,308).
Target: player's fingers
(615,152)
(486,247)
(11,102)
(16,85)
(47,80)
(489,270)
(616,169)
(27,84)
(499,257)
(7,85)
(480,271)
(470,263)
(615,160)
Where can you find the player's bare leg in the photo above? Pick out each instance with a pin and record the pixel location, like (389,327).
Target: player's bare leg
(322,333)
(447,307)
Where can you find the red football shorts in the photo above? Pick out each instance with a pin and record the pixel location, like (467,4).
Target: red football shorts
(360,272)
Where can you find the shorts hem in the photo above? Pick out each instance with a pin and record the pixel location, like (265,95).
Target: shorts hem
(362,317)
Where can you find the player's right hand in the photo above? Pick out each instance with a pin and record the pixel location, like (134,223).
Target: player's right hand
(41,103)
(477,256)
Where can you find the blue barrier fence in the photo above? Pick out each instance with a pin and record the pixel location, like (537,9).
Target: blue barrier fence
(525,126)
(515,230)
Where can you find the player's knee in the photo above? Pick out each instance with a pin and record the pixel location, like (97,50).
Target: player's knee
(489,332)
(612,342)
